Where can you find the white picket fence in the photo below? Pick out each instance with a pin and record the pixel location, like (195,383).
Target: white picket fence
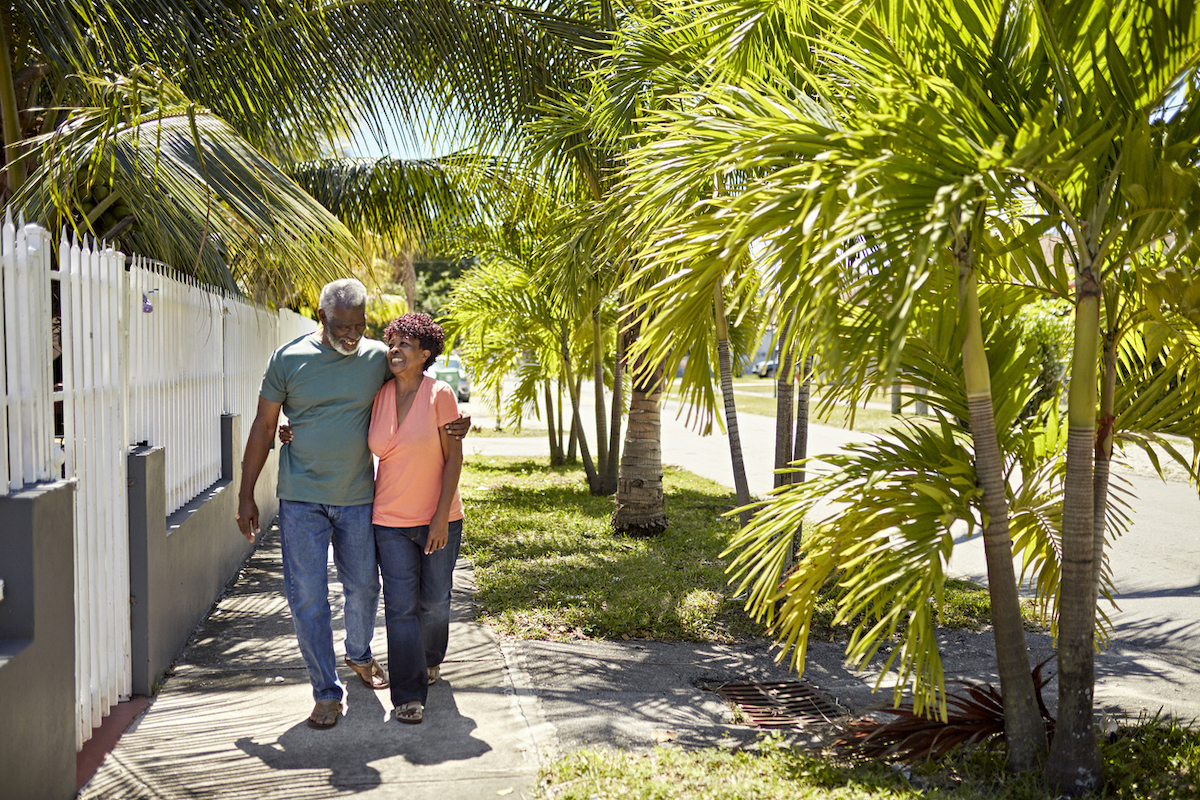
(27,421)
(93,302)
(147,357)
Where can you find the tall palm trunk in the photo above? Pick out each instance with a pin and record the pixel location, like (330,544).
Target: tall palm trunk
(14,166)
(1104,449)
(1024,733)
(598,381)
(612,469)
(784,393)
(640,507)
(725,364)
(556,448)
(1074,765)
(574,388)
(405,273)
(800,443)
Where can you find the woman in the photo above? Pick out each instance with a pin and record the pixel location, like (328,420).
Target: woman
(418,513)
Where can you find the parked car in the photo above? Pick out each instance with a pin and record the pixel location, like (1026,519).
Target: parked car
(449,368)
(765,367)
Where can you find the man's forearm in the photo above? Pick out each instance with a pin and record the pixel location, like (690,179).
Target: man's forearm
(258,447)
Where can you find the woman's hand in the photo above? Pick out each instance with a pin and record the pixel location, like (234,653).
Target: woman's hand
(285,433)
(439,534)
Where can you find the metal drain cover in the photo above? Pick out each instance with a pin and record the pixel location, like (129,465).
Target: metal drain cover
(779,704)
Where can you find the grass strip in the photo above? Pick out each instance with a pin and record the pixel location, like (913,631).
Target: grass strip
(1146,759)
(548,565)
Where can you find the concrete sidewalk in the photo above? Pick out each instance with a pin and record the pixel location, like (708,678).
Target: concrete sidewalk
(230,722)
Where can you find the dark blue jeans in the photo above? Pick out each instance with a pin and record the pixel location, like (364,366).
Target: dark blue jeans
(416,605)
(306,531)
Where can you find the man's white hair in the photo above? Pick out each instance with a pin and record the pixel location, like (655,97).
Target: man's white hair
(344,293)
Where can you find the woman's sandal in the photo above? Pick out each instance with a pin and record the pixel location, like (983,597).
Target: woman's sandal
(433,673)
(410,713)
(371,674)
(325,714)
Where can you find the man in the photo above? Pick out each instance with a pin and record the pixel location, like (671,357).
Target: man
(325,382)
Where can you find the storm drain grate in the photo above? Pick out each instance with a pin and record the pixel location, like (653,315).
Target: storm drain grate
(779,704)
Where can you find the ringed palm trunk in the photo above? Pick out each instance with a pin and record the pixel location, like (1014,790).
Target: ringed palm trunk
(640,507)
(556,449)
(598,380)
(1104,448)
(1074,765)
(574,388)
(800,442)
(612,470)
(1024,733)
(725,364)
(784,394)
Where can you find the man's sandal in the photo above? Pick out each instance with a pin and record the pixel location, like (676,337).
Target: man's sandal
(325,714)
(433,674)
(410,713)
(372,674)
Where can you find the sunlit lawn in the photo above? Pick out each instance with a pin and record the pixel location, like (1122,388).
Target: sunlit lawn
(548,565)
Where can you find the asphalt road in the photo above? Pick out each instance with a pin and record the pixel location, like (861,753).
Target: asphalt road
(1153,659)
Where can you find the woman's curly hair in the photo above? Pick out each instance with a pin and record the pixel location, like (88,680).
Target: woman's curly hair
(420,327)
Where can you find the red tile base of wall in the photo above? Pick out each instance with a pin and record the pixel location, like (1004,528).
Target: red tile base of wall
(105,738)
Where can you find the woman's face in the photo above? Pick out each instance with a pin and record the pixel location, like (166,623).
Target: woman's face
(405,356)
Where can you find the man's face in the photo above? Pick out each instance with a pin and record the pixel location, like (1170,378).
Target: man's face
(344,328)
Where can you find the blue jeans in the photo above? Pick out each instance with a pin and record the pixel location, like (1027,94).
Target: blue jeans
(416,605)
(306,531)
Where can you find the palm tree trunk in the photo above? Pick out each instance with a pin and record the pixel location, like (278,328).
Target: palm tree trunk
(612,468)
(640,506)
(1024,733)
(601,414)
(1104,448)
(725,364)
(14,166)
(406,274)
(784,394)
(1074,765)
(556,453)
(574,387)
(800,448)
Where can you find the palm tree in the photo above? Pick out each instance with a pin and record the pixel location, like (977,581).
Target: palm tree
(939,170)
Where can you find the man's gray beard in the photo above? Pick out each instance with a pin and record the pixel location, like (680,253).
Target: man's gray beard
(337,346)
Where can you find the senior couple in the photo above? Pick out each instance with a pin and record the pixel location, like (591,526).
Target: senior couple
(347,397)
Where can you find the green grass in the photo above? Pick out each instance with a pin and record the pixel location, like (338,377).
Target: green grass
(478,431)
(1147,760)
(548,566)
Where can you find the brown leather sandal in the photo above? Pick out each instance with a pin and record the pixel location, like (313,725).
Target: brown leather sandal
(371,674)
(324,714)
(410,713)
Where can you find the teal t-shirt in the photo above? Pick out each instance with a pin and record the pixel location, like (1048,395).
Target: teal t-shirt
(327,398)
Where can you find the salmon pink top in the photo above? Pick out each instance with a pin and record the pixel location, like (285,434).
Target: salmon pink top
(408,481)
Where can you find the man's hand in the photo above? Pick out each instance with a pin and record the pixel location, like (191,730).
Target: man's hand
(459,427)
(247,517)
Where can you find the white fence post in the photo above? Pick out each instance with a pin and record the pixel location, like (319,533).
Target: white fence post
(26,335)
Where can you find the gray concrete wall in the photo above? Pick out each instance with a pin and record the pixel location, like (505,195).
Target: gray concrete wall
(180,565)
(37,642)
